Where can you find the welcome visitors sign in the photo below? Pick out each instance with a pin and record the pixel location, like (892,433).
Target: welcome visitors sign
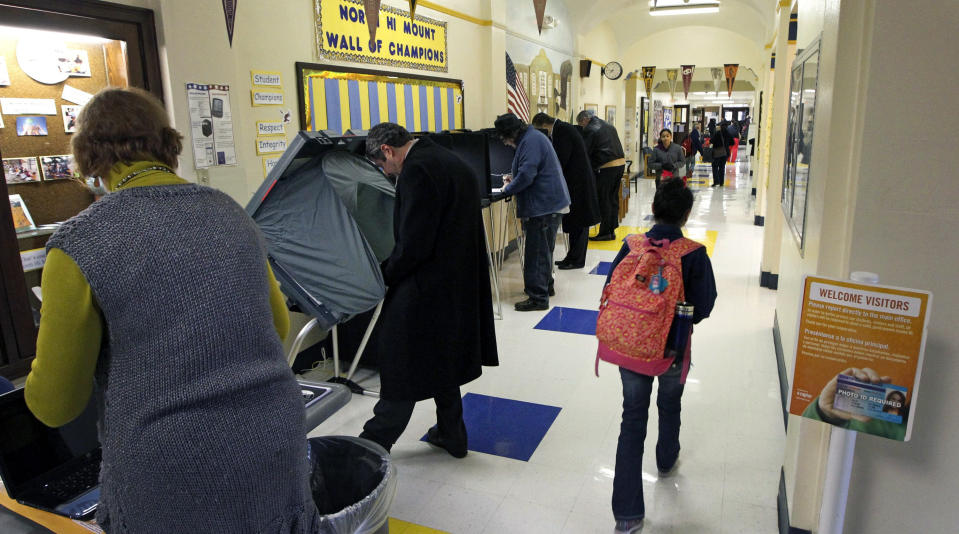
(859,355)
(401,41)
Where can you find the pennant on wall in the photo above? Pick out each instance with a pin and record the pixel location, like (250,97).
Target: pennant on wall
(687,79)
(412,8)
(372,8)
(229,10)
(540,6)
(717,74)
(648,73)
(672,75)
(731,70)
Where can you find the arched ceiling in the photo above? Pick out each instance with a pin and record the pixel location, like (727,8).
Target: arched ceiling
(631,21)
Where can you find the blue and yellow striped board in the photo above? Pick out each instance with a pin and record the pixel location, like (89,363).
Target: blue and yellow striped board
(341,101)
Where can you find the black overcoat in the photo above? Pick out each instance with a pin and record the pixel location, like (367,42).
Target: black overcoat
(580,180)
(436,327)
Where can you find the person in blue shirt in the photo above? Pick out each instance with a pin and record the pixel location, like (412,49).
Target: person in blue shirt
(541,200)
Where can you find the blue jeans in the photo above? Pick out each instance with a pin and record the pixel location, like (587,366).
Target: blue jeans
(637,389)
(538,256)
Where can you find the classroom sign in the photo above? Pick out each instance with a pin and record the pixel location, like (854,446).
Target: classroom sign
(401,40)
(859,355)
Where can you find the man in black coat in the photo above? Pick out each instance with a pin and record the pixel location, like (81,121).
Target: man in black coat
(436,327)
(609,162)
(581,182)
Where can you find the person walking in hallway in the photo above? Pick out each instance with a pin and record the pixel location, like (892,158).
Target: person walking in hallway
(609,161)
(541,200)
(581,183)
(720,141)
(671,208)
(668,159)
(436,327)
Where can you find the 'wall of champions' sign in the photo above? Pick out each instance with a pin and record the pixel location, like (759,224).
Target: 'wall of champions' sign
(342,33)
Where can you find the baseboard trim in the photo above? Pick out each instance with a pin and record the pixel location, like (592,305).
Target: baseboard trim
(782,507)
(768,280)
(781,367)
(753,193)
(759,220)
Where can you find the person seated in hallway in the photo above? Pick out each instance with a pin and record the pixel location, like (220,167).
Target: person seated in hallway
(668,159)
(581,183)
(609,162)
(159,302)
(672,205)
(435,331)
(541,200)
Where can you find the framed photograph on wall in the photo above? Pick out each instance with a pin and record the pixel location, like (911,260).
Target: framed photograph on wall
(804,81)
(611,114)
(591,107)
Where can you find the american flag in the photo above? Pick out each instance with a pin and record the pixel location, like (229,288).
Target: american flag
(516,101)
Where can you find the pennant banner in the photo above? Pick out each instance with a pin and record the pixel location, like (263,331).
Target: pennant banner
(687,79)
(372,8)
(540,6)
(717,74)
(648,73)
(229,11)
(672,75)
(731,70)
(412,8)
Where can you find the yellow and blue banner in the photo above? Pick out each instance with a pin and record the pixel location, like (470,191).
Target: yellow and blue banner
(341,101)
(402,40)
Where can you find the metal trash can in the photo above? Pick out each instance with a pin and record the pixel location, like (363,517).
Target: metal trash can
(353,481)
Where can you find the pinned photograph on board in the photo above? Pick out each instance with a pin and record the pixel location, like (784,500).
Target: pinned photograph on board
(22,221)
(20,170)
(58,167)
(31,125)
(70,117)
(74,62)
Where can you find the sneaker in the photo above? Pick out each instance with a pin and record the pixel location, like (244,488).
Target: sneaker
(629,527)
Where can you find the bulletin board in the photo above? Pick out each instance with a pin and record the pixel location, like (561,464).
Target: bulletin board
(332,98)
(57,200)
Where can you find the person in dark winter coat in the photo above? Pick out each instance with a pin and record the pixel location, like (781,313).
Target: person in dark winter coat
(720,141)
(581,182)
(609,162)
(436,327)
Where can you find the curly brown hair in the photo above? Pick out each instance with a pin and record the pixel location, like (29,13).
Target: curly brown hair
(123,125)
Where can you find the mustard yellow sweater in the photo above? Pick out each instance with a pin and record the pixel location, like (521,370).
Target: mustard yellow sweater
(71,326)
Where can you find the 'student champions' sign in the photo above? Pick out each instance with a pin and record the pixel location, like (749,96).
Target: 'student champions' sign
(401,41)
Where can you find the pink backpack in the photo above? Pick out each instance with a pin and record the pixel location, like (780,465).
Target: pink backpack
(637,306)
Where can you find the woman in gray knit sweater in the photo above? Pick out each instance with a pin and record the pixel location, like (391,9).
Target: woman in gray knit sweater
(158,300)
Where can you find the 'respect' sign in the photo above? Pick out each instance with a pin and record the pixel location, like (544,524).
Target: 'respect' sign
(342,33)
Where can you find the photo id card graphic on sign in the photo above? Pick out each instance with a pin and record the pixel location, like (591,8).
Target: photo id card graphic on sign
(886,402)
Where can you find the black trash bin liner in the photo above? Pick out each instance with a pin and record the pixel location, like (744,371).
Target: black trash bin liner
(353,481)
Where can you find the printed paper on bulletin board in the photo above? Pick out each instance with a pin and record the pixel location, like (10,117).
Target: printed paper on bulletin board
(849,334)
(401,41)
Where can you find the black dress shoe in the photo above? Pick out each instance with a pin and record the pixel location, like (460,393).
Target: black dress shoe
(552,292)
(530,305)
(456,450)
(603,237)
(568,266)
(560,262)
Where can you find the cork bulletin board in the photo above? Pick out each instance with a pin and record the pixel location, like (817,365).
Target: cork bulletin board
(56,200)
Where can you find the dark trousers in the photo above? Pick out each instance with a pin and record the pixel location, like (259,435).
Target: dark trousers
(390,418)
(628,479)
(719,171)
(538,256)
(608,190)
(578,241)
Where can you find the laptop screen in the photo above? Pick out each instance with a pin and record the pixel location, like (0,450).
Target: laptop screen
(28,448)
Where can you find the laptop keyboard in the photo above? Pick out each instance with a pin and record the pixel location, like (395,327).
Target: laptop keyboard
(75,483)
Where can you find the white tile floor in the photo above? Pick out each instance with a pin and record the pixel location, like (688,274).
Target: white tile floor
(732,434)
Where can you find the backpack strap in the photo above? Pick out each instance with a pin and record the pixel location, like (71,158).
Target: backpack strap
(684,246)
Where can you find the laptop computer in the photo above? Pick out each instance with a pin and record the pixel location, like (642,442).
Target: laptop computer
(53,469)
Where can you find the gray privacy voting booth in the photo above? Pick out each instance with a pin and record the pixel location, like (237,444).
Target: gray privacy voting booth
(327,215)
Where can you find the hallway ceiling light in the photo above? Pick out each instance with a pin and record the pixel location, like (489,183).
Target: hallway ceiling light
(658,8)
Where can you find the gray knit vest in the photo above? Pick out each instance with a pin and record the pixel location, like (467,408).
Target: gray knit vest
(201,420)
